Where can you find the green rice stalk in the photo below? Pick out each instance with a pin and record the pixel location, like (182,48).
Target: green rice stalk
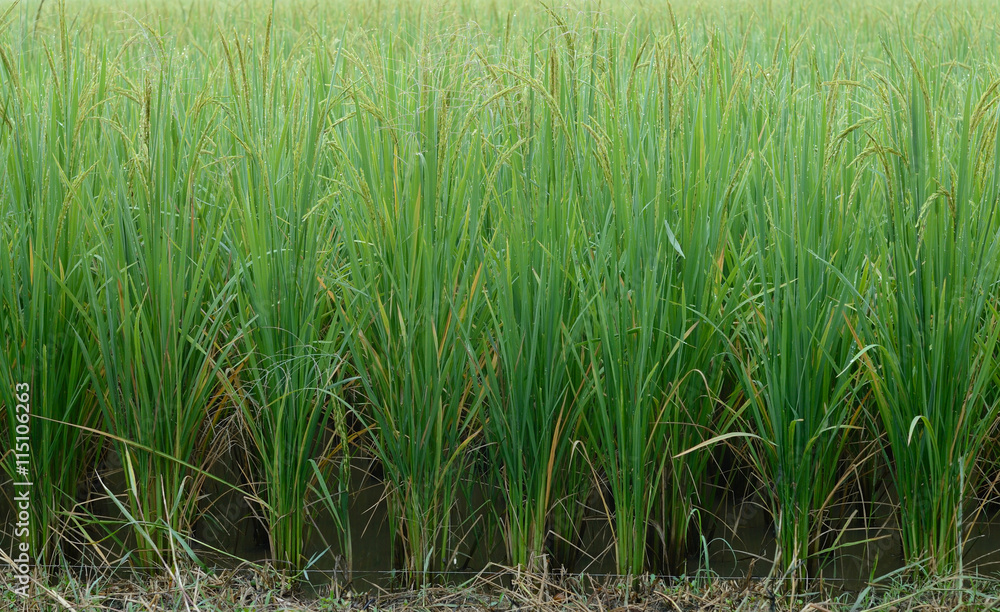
(158,303)
(933,320)
(291,356)
(48,176)
(413,242)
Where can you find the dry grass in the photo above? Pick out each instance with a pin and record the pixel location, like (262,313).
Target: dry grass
(261,588)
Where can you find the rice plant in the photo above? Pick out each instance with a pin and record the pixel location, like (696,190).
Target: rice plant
(658,298)
(627,281)
(414,183)
(933,319)
(532,374)
(48,177)
(706,176)
(158,306)
(808,256)
(291,356)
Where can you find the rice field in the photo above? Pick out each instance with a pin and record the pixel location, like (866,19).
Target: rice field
(530,270)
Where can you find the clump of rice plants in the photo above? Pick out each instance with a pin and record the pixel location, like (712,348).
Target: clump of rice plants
(414,184)
(531,370)
(627,276)
(291,360)
(708,155)
(933,320)
(157,304)
(658,196)
(48,176)
(807,257)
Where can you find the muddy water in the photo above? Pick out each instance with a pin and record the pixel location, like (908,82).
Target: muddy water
(741,543)
(739,537)
(863,540)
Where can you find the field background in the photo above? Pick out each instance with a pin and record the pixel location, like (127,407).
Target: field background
(619,287)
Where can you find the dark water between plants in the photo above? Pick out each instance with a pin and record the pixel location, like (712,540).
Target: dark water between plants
(739,540)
